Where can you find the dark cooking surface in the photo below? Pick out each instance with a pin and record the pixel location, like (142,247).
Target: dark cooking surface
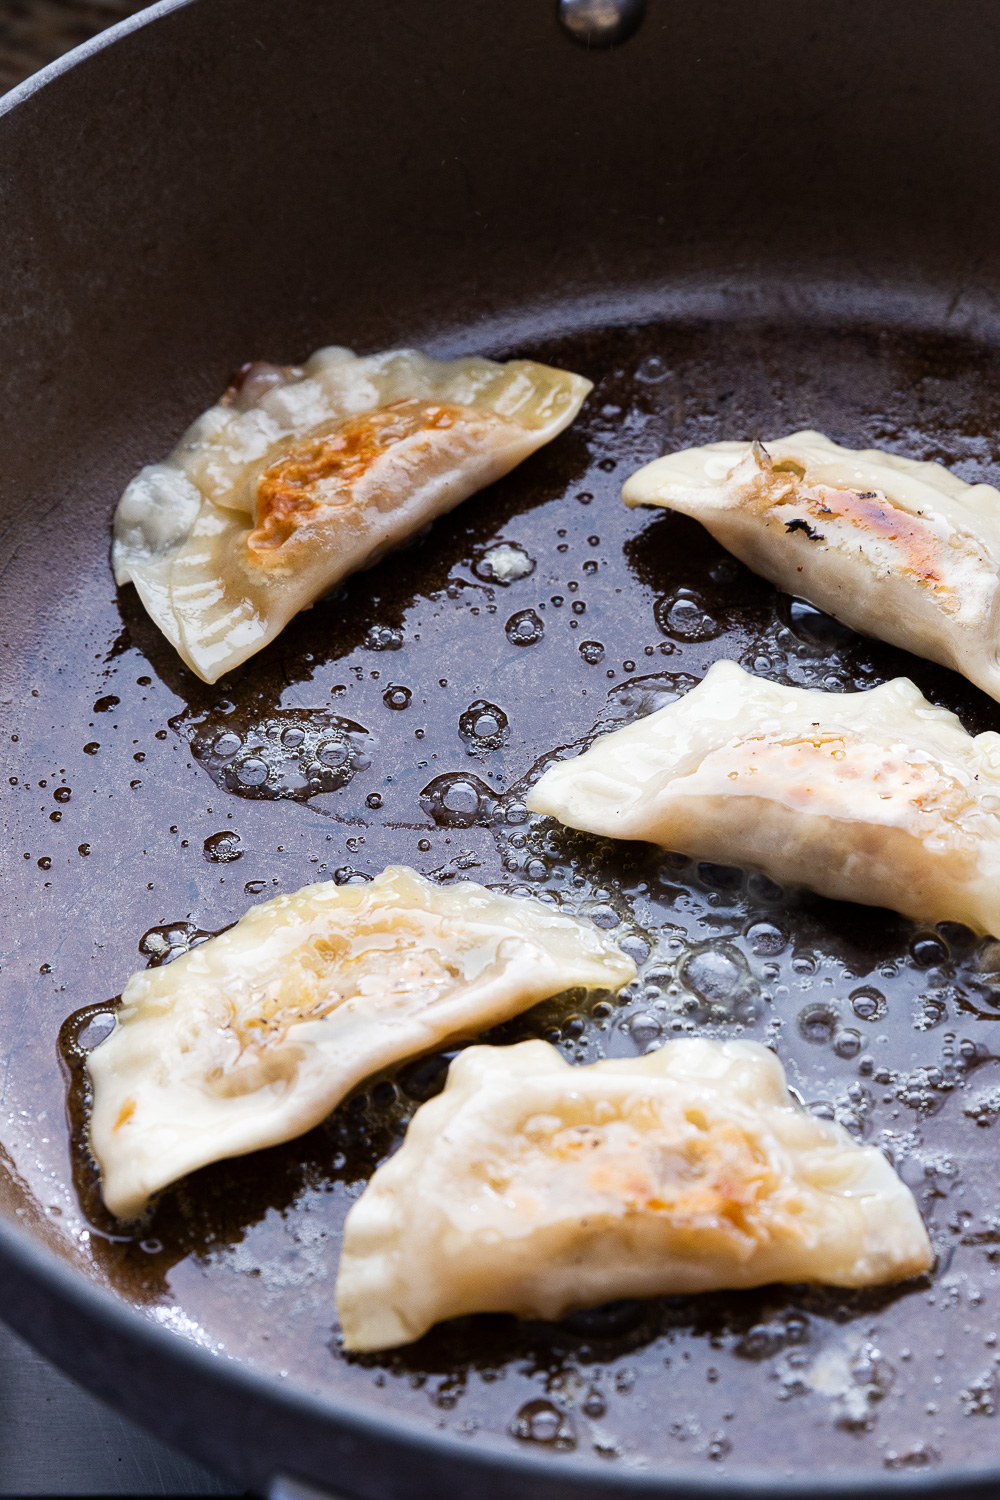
(124,819)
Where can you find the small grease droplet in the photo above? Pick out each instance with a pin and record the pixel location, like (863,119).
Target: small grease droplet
(397,697)
(92,748)
(592,652)
(524,628)
(222,848)
(104,705)
(83,849)
(652,370)
(682,616)
(483,726)
(542,1422)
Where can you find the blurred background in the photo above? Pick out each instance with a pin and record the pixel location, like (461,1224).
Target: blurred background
(35,32)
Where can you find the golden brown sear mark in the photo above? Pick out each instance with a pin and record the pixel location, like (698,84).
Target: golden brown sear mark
(876,516)
(321,471)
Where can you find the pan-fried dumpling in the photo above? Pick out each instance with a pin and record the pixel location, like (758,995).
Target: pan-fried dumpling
(900,549)
(302,475)
(877,797)
(536,1188)
(258,1034)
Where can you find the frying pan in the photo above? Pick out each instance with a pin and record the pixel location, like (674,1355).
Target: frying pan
(747,218)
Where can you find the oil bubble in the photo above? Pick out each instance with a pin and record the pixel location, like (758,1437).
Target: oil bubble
(106,704)
(524,628)
(592,652)
(868,1004)
(504,563)
(652,370)
(928,950)
(847,1042)
(818,1023)
(718,976)
(227,745)
(814,627)
(332,752)
(542,1422)
(83,849)
(682,616)
(291,738)
(767,939)
(483,726)
(222,848)
(643,1029)
(457,801)
(397,697)
(92,748)
(251,772)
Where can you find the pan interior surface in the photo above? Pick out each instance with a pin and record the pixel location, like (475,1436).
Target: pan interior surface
(146,811)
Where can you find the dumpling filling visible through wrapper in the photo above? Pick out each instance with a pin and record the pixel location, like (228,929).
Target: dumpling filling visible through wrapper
(896,547)
(532,1187)
(300,476)
(877,797)
(254,1037)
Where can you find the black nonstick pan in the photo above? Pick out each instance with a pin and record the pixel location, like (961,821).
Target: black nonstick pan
(745,219)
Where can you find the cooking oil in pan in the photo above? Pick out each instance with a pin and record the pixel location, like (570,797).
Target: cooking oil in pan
(403,719)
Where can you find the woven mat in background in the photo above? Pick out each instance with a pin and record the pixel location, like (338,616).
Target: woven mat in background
(36,32)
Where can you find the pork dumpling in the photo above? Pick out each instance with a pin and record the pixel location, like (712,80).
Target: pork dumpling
(255,1036)
(300,476)
(877,797)
(532,1187)
(900,549)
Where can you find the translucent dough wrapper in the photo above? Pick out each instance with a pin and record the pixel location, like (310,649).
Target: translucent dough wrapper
(533,1187)
(302,475)
(255,1036)
(898,548)
(876,797)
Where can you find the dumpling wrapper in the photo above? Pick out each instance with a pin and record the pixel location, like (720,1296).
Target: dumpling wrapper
(876,797)
(532,1187)
(300,476)
(255,1036)
(898,548)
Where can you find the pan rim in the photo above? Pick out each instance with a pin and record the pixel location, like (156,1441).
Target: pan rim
(31,85)
(366,1422)
(583,1473)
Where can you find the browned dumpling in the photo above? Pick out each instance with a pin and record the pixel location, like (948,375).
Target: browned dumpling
(533,1187)
(896,547)
(301,476)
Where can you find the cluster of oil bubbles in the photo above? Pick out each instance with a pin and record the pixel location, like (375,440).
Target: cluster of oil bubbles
(804,647)
(288,753)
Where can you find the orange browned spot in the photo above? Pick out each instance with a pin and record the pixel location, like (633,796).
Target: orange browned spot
(127,1111)
(321,471)
(876,516)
